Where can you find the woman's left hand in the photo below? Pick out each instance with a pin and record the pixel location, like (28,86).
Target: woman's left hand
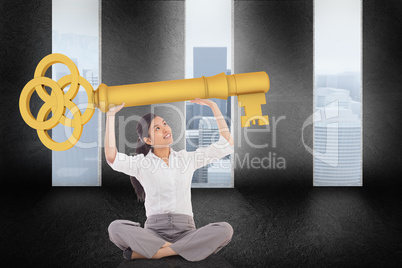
(203,102)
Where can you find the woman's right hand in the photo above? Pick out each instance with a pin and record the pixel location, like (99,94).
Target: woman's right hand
(113,110)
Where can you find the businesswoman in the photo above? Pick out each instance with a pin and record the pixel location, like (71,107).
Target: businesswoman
(162,177)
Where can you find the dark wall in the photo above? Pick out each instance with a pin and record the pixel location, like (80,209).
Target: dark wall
(142,41)
(25,38)
(277,37)
(382,97)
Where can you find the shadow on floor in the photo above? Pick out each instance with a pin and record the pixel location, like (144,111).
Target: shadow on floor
(213,261)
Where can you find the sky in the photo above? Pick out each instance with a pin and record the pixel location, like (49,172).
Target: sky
(337,35)
(208,24)
(75,16)
(75,23)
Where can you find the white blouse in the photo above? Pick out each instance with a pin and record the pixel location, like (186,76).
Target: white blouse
(168,188)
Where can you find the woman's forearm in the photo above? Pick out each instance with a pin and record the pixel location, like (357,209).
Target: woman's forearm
(223,127)
(110,138)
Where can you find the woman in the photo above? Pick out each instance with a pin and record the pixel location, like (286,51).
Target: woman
(169,228)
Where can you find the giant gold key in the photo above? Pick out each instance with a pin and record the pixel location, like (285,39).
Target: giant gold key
(250,89)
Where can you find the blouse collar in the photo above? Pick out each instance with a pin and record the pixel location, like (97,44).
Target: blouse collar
(150,153)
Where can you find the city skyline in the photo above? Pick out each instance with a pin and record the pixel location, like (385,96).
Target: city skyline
(337,131)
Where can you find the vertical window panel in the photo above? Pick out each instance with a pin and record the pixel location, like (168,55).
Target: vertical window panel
(75,34)
(337,93)
(208,52)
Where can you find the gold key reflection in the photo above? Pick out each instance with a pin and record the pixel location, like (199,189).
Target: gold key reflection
(250,89)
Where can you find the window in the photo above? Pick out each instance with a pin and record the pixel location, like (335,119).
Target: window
(337,93)
(208,52)
(75,23)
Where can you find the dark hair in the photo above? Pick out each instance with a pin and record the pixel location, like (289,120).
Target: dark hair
(142,148)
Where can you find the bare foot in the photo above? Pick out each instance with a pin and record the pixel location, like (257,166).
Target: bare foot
(167,244)
(162,252)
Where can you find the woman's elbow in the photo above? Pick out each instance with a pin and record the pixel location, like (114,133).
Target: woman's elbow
(230,140)
(110,156)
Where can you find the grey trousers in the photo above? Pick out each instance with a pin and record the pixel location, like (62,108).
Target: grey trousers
(179,229)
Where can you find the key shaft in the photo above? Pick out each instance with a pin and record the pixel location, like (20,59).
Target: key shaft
(249,87)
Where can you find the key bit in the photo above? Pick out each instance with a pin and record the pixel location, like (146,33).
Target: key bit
(252,109)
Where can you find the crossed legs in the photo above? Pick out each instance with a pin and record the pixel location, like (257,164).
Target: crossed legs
(195,245)
(164,251)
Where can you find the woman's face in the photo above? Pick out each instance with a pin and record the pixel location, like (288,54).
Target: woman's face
(160,133)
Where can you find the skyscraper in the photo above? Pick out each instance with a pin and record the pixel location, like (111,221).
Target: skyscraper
(337,139)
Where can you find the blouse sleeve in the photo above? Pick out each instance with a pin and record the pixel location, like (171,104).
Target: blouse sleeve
(127,164)
(212,153)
